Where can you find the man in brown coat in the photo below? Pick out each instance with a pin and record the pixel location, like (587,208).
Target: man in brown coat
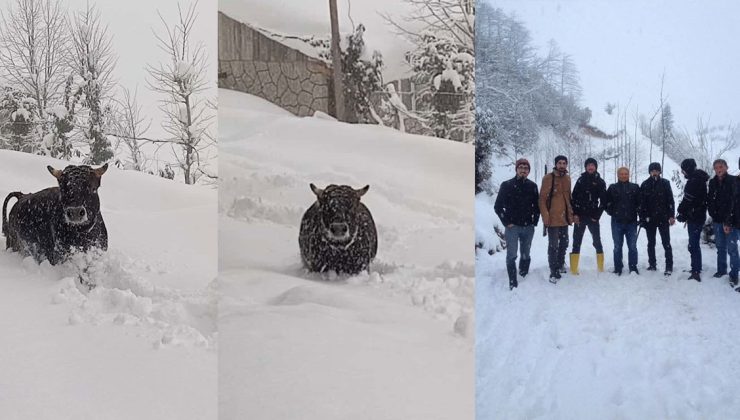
(557,215)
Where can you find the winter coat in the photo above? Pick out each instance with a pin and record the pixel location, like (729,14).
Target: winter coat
(589,196)
(656,201)
(719,198)
(623,202)
(693,207)
(560,212)
(516,202)
(733,218)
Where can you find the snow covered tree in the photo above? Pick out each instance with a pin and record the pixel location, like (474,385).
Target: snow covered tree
(33,37)
(362,75)
(93,60)
(20,112)
(443,62)
(182,81)
(484,139)
(131,126)
(59,140)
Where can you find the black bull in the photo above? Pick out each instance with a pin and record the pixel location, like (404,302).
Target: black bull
(53,223)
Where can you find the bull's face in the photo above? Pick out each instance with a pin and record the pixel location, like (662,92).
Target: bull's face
(339,206)
(78,189)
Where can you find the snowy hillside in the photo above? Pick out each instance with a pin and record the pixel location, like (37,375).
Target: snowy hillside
(396,343)
(601,346)
(142,343)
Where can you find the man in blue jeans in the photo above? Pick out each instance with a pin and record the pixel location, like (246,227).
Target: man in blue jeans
(719,206)
(732,226)
(693,211)
(517,207)
(623,205)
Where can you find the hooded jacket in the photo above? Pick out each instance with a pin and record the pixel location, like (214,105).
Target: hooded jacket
(589,196)
(693,207)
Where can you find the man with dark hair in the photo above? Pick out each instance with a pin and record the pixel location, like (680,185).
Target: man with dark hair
(589,201)
(657,212)
(623,205)
(516,205)
(693,211)
(719,205)
(557,215)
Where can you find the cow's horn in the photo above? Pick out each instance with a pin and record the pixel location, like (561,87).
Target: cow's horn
(101,170)
(362,191)
(316,190)
(57,173)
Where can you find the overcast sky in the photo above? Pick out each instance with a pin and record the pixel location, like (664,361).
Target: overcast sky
(130,24)
(621,48)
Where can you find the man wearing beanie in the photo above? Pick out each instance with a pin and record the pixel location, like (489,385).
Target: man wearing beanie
(693,211)
(516,205)
(589,202)
(557,214)
(719,206)
(657,212)
(623,205)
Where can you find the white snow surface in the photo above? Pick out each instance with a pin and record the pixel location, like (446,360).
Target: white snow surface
(139,345)
(395,343)
(601,346)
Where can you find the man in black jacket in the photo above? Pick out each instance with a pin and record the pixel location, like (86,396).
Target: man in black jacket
(623,204)
(588,201)
(732,226)
(693,210)
(657,212)
(517,207)
(719,205)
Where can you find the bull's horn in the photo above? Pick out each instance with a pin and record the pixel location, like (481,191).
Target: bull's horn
(316,190)
(362,191)
(101,170)
(57,173)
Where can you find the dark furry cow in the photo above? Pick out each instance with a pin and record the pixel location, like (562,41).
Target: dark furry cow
(53,223)
(337,231)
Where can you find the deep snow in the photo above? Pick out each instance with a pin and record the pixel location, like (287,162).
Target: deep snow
(394,344)
(139,345)
(601,346)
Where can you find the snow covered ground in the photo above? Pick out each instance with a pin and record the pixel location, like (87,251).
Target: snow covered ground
(393,344)
(601,346)
(142,343)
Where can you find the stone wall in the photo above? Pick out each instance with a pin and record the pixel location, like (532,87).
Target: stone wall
(251,62)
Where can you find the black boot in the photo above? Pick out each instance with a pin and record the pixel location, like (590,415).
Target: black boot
(695,276)
(733,282)
(524,266)
(718,274)
(652,268)
(634,270)
(511,270)
(554,276)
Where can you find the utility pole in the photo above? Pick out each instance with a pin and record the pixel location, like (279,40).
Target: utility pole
(336,56)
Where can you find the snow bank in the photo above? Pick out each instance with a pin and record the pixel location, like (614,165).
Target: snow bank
(401,335)
(150,320)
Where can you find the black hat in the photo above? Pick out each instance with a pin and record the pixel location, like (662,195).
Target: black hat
(558,158)
(688,165)
(655,166)
(591,160)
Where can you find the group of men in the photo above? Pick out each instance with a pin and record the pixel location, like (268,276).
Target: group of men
(649,206)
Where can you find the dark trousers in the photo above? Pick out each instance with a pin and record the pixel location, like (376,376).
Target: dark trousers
(557,238)
(665,239)
(620,232)
(580,229)
(694,248)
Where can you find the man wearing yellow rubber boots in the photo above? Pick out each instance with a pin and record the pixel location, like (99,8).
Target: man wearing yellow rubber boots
(589,202)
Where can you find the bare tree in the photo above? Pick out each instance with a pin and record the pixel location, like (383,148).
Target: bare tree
(92,58)
(182,81)
(33,34)
(131,126)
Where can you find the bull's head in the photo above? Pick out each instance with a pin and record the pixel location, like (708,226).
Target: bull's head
(339,206)
(78,189)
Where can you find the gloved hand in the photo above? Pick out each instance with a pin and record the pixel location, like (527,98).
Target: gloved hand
(681,218)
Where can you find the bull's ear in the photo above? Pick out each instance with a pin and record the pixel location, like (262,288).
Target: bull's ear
(57,173)
(100,171)
(316,190)
(362,191)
